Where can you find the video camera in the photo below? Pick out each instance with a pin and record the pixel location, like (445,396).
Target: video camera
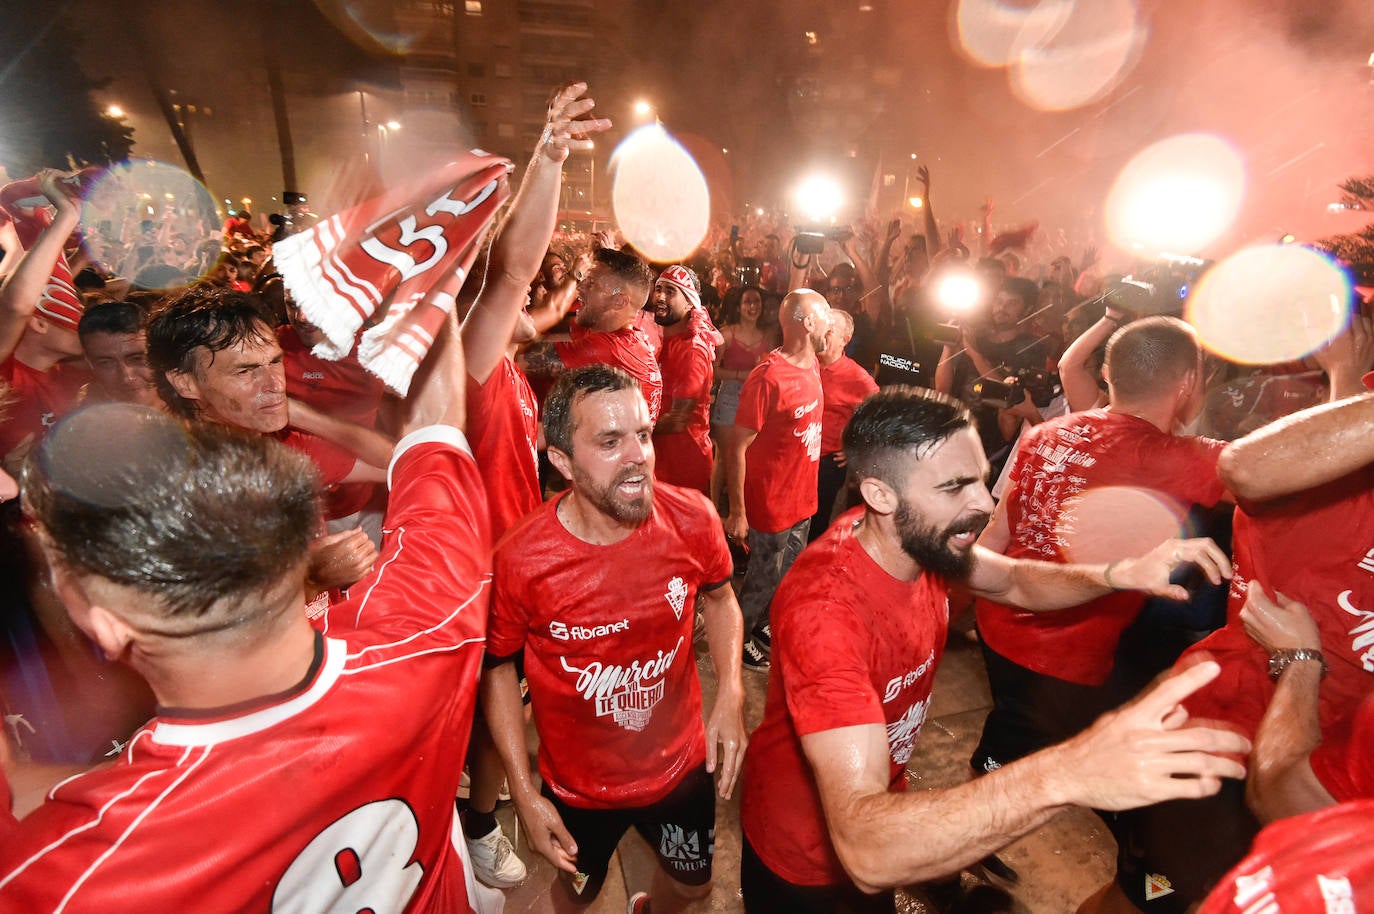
(1040,385)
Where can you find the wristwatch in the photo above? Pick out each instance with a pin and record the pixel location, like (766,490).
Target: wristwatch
(1279,660)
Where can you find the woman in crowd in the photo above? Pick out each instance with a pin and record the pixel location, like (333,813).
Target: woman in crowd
(750,332)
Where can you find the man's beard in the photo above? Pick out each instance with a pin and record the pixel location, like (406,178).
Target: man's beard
(930,548)
(610,503)
(668,319)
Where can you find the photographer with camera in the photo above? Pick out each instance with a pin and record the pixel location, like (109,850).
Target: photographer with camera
(1005,347)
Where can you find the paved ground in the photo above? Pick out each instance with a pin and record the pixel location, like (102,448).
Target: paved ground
(1059,864)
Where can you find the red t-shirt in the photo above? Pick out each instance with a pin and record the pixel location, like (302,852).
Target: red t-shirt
(1316,547)
(684,458)
(503,425)
(1057,462)
(852,645)
(337,795)
(782,403)
(845,385)
(1344,763)
(1302,865)
(628,348)
(40,399)
(344,389)
(333,462)
(607,639)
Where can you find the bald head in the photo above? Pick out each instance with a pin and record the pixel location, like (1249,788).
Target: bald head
(805,318)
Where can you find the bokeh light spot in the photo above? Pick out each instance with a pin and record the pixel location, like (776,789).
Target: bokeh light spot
(1084,60)
(660,198)
(1271,303)
(1113,522)
(994,33)
(1180,194)
(167,213)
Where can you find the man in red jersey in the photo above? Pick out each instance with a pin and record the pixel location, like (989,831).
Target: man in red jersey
(216,359)
(38,332)
(1304,529)
(770,466)
(289,768)
(603,331)
(859,627)
(1071,481)
(597,589)
(844,385)
(682,435)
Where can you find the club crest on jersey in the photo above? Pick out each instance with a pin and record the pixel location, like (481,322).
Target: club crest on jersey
(677,595)
(1157,886)
(579,882)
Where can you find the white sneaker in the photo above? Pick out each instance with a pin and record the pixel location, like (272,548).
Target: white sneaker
(494,861)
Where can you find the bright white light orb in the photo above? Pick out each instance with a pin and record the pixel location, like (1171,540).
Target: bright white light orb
(660,198)
(1180,194)
(818,198)
(1272,303)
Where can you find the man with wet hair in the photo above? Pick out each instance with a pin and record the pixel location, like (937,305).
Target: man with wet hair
(215,358)
(859,627)
(289,767)
(116,348)
(603,330)
(597,590)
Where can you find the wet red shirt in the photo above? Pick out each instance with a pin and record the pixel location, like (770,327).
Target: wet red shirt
(607,638)
(40,399)
(852,645)
(503,425)
(1344,762)
(783,404)
(684,458)
(1057,462)
(628,348)
(845,385)
(1316,547)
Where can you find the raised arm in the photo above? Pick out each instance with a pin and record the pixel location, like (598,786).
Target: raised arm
(1075,365)
(1136,756)
(934,243)
(519,248)
(1300,451)
(24,287)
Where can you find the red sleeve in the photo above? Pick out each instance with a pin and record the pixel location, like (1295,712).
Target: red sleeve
(1195,470)
(1344,763)
(709,541)
(334,462)
(508,624)
(693,376)
(431,583)
(825,672)
(755,400)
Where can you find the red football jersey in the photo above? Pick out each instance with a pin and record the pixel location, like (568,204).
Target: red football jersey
(333,462)
(1057,462)
(628,348)
(852,645)
(1344,762)
(336,796)
(845,385)
(40,399)
(684,458)
(503,425)
(1321,861)
(782,403)
(607,639)
(1316,547)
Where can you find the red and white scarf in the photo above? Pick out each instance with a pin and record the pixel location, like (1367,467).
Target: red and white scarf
(392,266)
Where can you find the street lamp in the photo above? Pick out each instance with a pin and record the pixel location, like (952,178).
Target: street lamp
(114,111)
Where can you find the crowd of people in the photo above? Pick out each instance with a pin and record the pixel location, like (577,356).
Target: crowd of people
(276,635)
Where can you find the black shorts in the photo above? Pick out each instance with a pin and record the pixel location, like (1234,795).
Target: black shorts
(1170,855)
(681,828)
(765,892)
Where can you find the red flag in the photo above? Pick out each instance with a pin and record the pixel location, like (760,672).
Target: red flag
(392,265)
